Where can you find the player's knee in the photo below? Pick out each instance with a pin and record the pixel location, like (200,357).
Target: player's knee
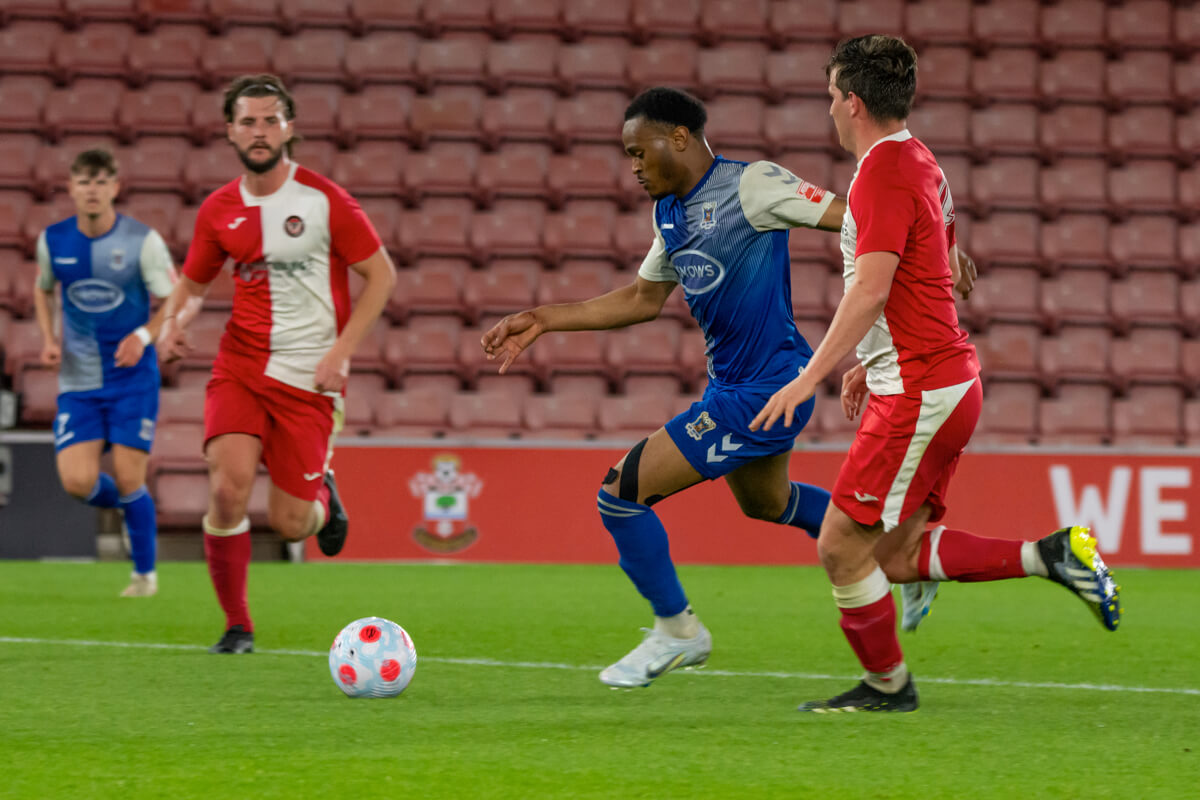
(228,497)
(290,523)
(128,484)
(79,483)
(764,508)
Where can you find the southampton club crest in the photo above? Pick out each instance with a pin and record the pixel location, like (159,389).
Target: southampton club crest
(445,494)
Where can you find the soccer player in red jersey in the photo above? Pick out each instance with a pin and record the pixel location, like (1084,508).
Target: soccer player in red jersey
(280,374)
(922,375)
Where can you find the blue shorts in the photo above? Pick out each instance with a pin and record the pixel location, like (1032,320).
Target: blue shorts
(714,434)
(125,418)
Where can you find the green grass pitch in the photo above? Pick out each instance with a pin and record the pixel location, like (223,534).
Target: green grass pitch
(1023,694)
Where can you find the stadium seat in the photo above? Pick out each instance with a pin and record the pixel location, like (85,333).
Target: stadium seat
(937,22)
(154,165)
(14,207)
(588,171)
(438,228)
(663,385)
(664,62)
(594,63)
(722,20)
(1005,184)
(372,169)
(427,344)
(1140,78)
(1142,186)
(1139,24)
(511,228)
(560,416)
(1141,131)
(440,16)
(943,126)
(88,106)
(515,170)
(526,16)
(735,67)
(633,417)
(1145,242)
(739,121)
(18,153)
(829,423)
(810,21)
(632,238)
(37,217)
(502,287)
(1009,351)
(457,59)
(180,236)
(155,209)
(161,108)
(1187,138)
(1078,296)
(1005,129)
(1073,76)
(37,388)
(525,60)
(1081,414)
(363,394)
(675,18)
(1073,23)
(27,47)
(1149,416)
(491,415)
(208,169)
(451,113)
(522,115)
(583,229)
(1073,185)
(1186,83)
(648,348)
(1076,240)
(208,117)
(1191,422)
(860,17)
(1073,130)
(586,17)
(446,168)
(315,154)
(431,286)
(1006,294)
(801,123)
(237,14)
(1010,23)
(381,57)
(378,112)
(1077,353)
(181,406)
(1009,73)
(300,14)
(170,52)
(178,446)
(577,280)
(97,51)
(810,281)
(1147,298)
(560,353)
(1189,251)
(798,72)
(240,51)
(1148,355)
(1009,414)
(311,55)
(22,345)
(946,74)
(416,413)
(380,15)
(589,116)
(1006,238)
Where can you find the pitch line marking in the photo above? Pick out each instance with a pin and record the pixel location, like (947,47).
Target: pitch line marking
(717,673)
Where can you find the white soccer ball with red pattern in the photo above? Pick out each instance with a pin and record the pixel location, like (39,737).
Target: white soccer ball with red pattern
(372,657)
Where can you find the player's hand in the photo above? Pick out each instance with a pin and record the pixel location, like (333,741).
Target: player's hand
(173,342)
(51,355)
(129,351)
(967,273)
(332,371)
(784,403)
(854,390)
(510,336)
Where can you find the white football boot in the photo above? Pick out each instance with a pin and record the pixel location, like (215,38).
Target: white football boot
(141,585)
(916,599)
(657,655)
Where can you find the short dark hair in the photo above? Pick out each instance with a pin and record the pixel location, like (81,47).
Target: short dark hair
(94,161)
(881,70)
(669,106)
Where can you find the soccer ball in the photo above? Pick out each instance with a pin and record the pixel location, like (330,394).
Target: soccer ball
(372,657)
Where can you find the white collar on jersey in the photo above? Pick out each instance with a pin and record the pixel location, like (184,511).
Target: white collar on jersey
(249,200)
(898,136)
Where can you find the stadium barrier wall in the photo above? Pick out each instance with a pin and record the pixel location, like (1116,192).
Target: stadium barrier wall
(538,504)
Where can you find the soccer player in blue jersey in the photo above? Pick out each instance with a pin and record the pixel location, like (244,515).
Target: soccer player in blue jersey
(108,266)
(720,231)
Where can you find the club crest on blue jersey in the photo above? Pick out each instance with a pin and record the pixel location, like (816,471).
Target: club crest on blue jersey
(708,216)
(116,261)
(700,426)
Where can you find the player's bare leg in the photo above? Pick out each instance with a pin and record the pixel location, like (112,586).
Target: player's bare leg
(651,470)
(295,519)
(764,491)
(139,519)
(232,462)
(79,470)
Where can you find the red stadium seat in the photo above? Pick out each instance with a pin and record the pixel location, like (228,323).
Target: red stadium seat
(439,228)
(944,127)
(1076,296)
(1143,186)
(1148,355)
(577,280)
(1006,239)
(1073,76)
(446,168)
(1010,23)
(937,22)
(440,16)
(1078,353)
(511,228)
(379,112)
(178,446)
(427,344)
(678,18)
(450,113)
(373,169)
(671,62)
(88,106)
(163,107)
(1074,184)
(1149,416)
(299,14)
(632,417)
(381,57)
(1140,78)
(861,17)
(734,19)
(1140,23)
(37,388)
(946,74)
(37,217)
(1005,184)
(594,63)
(377,15)
(171,51)
(526,60)
(18,153)
(524,16)
(1073,23)
(651,347)
(22,344)
(582,17)
(157,210)
(829,423)
(559,416)
(1142,131)
(491,415)
(736,121)
(237,13)
(311,55)
(1186,83)
(799,124)
(1006,294)
(97,51)
(1080,415)
(1005,129)
(432,286)
(798,72)
(363,393)
(181,406)
(588,171)
(416,413)
(1073,131)
(1076,240)
(810,21)
(1006,74)
(1147,298)
(515,170)
(810,287)
(561,353)
(522,115)
(592,116)
(14,206)
(1186,28)
(1145,241)
(503,287)
(1189,250)
(208,169)
(735,67)
(632,238)
(28,47)
(1009,414)
(240,51)
(1009,351)
(583,229)
(456,59)
(1189,309)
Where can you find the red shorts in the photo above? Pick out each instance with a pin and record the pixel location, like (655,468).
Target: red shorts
(296,427)
(905,453)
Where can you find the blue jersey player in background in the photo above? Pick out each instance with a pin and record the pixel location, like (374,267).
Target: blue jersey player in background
(108,266)
(720,232)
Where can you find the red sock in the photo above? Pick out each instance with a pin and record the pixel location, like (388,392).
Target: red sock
(965,557)
(323,499)
(871,631)
(228,559)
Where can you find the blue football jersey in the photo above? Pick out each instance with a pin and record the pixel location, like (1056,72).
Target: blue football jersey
(106,286)
(726,245)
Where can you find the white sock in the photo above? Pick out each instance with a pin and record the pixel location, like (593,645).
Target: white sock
(151,576)
(211,530)
(1031,560)
(889,682)
(684,625)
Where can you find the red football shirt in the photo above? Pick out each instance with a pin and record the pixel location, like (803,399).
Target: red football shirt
(899,202)
(291,250)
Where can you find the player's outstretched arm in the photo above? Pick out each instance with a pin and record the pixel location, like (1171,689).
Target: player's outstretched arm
(44,308)
(640,301)
(380,273)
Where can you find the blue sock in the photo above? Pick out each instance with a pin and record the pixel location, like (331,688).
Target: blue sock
(143,529)
(104,494)
(806,508)
(645,553)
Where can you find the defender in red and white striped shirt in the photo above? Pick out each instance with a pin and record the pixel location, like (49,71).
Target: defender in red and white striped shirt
(276,391)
